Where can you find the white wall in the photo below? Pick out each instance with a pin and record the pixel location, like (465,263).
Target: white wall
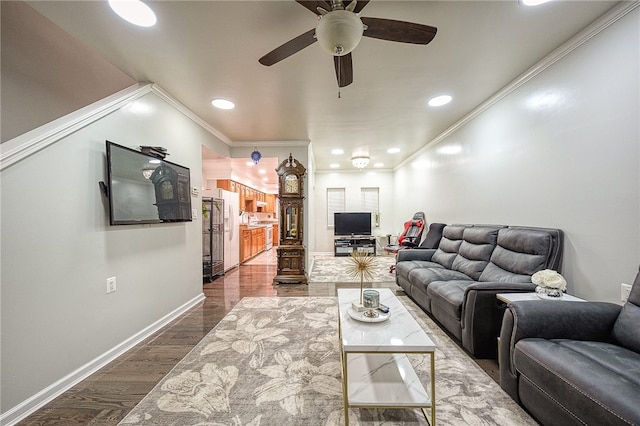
(572,165)
(352,182)
(58,250)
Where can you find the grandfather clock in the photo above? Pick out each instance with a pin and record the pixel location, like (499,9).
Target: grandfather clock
(291,251)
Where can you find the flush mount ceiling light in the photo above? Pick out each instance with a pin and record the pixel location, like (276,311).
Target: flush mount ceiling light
(360,162)
(439,100)
(134,12)
(222,103)
(339,31)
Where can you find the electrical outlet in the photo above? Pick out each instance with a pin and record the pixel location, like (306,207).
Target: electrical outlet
(625,290)
(194,214)
(111,285)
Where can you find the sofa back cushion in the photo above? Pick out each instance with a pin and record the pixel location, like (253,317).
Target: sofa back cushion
(626,330)
(520,253)
(449,245)
(475,250)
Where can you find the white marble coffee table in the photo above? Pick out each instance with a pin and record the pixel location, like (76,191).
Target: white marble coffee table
(375,369)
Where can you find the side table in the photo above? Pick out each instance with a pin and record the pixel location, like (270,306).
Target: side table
(516,297)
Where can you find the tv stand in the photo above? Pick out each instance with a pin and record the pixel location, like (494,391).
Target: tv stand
(344,246)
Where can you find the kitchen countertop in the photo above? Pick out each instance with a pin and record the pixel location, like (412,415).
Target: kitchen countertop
(254,226)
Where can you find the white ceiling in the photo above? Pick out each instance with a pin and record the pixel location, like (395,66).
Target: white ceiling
(204,49)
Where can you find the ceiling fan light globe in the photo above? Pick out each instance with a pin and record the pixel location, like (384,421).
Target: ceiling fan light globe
(339,32)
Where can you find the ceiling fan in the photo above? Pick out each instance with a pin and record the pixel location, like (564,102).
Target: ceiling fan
(339,31)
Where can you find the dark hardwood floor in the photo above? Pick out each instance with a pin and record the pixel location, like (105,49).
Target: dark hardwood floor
(108,395)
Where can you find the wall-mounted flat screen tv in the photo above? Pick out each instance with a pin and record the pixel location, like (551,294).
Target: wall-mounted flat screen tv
(352,223)
(144,189)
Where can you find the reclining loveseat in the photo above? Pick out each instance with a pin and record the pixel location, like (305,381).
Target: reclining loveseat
(574,363)
(457,283)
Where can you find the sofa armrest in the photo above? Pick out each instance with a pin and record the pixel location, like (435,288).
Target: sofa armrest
(415,254)
(482,313)
(563,320)
(550,320)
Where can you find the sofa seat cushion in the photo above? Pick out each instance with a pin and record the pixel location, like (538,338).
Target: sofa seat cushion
(421,278)
(448,295)
(599,383)
(404,268)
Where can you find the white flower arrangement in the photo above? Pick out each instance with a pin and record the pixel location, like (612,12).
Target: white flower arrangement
(549,279)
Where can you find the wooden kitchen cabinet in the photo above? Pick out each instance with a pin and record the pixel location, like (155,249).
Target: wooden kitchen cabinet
(245,245)
(270,199)
(252,242)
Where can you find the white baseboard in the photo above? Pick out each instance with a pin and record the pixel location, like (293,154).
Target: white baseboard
(35,402)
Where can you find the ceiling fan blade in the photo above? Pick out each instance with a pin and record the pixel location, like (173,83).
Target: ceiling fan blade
(344,69)
(400,31)
(359,5)
(313,5)
(289,48)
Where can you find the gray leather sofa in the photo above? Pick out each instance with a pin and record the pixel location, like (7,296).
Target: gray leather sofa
(457,283)
(574,363)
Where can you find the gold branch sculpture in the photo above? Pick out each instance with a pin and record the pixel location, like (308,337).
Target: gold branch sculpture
(362,267)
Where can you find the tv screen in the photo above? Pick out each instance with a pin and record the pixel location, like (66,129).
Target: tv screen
(347,223)
(146,189)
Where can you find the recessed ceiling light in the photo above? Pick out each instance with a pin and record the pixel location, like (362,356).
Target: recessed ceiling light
(334,165)
(223,103)
(393,150)
(378,165)
(134,12)
(262,171)
(337,151)
(265,179)
(250,163)
(439,100)
(533,2)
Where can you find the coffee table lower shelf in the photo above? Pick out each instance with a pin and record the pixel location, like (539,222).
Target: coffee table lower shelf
(379,379)
(385,380)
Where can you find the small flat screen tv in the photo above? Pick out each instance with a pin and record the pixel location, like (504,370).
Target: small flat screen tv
(352,223)
(144,189)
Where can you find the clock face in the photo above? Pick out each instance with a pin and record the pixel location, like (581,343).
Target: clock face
(291,184)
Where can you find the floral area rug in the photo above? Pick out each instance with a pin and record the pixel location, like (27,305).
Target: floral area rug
(329,269)
(274,361)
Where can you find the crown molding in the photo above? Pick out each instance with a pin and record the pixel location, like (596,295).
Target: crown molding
(28,143)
